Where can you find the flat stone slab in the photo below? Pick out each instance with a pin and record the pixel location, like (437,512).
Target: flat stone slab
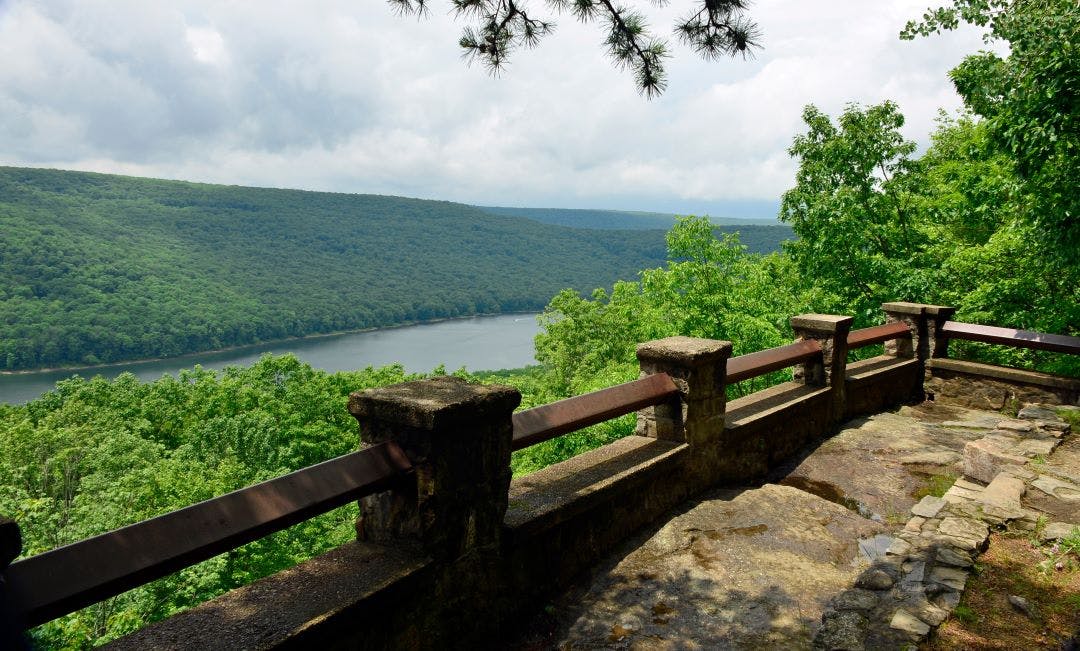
(1054,487)
(985,458)
(1005,491)
(1038,412)
(1056,531)
(746,569)
(1015,426)
(963,532)
(931,458)
(908,623)
(928,507)
(899,450)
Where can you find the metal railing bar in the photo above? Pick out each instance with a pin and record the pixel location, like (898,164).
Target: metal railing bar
(546,422)
(1011,337)
(749,366)
(877,334)
(63,580)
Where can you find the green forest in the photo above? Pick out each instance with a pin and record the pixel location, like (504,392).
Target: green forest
(99,268)
(984,220)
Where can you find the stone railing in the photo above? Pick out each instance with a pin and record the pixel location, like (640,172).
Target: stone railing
(451,552)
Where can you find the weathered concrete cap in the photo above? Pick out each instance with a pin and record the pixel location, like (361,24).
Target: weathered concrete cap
(821,322)
(433,403)
(687,351)
(940,310)
(902,307)
(10,541)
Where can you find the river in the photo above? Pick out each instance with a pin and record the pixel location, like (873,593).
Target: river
(477,343)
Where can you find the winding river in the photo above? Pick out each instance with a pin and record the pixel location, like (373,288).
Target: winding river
(477,343)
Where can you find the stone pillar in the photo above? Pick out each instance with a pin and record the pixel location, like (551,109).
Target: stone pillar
(696,415)
(697,367)
(936,316)
(458,437)
(11,636)
(831,332)
(914,316)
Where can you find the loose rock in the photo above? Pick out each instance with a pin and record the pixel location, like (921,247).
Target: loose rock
(1022,605)
(842,631)
(950,556)
(985,458)
(1056,531)
(905,621)
(874,579)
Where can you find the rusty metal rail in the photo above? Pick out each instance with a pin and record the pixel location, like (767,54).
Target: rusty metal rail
(539,424)
(1010,337)
(749,366)
(877,334)
(68,578)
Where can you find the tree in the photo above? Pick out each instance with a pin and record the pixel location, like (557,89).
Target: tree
(710,287)
(852,208)
(713,28)
(1030,99)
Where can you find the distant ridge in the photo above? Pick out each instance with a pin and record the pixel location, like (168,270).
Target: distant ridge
(616,219)
(759,235)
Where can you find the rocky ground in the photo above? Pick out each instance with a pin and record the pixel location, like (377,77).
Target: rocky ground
(845,548)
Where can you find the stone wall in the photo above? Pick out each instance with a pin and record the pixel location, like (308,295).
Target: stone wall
(456,557)
(997,388)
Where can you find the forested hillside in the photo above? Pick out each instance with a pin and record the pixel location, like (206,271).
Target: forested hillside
(759,235)
(99,268)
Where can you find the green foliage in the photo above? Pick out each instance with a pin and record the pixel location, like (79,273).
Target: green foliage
(950,228)
(851,208)
(711,287)
(93,455)
(97,268)
(758,235)
(936,485)
(1030,99)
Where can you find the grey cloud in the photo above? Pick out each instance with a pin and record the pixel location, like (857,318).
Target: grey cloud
(344,95)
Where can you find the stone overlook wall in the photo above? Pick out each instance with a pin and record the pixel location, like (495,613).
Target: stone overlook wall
(455,559)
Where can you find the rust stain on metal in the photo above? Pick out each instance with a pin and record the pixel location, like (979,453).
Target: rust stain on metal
(877,334)
(749,366)
(538,424)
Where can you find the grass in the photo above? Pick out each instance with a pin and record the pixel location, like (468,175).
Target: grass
(1016,566)
(936,485)
(1072,417)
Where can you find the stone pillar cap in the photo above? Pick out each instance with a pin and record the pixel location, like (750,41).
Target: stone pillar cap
(940,310)
(903,307)
(687,351)
(820,322)
(433,403)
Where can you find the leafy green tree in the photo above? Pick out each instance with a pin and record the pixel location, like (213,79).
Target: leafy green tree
(710,287)
(713,28)
(1030,99)
(853,211)
(950,227)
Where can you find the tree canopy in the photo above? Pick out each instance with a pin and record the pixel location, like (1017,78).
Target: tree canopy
(1030,100)
(712,28)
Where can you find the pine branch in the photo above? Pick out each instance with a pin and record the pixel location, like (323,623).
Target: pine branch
(500,26)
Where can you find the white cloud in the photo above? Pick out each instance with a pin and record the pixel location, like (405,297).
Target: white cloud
(207,45)
(344,95)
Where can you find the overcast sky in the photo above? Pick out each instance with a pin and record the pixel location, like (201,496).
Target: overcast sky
(348,96)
